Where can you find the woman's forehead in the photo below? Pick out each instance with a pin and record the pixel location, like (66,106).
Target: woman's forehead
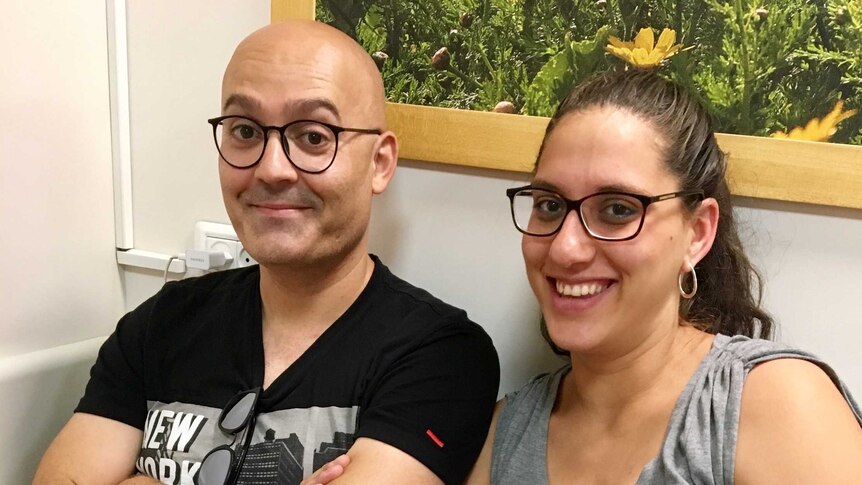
(606,127)
(603,147)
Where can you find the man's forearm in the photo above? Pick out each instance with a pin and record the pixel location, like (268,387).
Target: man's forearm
(78,455)
(135,480)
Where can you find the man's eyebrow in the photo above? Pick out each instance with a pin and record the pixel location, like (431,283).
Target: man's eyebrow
(308,105)
(300,108)
(245,102)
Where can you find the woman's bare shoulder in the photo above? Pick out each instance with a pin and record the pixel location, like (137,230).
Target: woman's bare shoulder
(796,426)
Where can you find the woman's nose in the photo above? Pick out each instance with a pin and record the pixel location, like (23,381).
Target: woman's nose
(572,244)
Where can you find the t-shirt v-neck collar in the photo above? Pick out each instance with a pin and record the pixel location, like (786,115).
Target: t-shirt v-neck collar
(293,375)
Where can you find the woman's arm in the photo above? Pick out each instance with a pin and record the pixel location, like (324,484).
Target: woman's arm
(796,427)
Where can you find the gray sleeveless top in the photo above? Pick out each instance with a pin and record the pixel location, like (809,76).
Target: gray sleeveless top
(700,442)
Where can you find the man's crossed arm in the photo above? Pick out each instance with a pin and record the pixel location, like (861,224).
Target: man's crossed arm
(93,450)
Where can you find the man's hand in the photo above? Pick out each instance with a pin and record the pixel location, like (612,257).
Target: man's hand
(328,472)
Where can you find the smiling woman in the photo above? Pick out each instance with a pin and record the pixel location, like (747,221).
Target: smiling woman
(670,376)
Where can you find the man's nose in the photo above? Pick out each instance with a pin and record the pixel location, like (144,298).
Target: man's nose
(572,244)
(275,166)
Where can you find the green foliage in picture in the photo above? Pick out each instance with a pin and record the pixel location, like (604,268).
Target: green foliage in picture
(761,67)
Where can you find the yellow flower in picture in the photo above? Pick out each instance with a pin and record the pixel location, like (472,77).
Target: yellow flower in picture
(817,129)
(644,52)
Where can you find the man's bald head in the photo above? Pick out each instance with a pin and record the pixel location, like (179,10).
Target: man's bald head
(321,53)
(287,213)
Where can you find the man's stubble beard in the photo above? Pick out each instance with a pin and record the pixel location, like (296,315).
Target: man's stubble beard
(329,249)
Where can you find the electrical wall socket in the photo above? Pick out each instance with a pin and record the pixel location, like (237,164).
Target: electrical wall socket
(214,235)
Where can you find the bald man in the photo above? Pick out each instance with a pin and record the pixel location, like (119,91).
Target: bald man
(265,374)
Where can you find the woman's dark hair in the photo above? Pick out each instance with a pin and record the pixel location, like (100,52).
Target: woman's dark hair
(730,289)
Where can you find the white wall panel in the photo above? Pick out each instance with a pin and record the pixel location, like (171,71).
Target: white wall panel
(60,282)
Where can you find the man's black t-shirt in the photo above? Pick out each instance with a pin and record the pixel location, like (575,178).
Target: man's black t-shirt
(399,366)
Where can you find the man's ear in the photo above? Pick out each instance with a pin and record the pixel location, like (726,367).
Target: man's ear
(704,225)
(385,160)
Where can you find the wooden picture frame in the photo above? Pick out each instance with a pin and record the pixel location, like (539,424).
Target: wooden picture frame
(766,168)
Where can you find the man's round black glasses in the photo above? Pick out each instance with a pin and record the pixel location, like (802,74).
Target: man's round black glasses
(222,465)
(311,146)
(607,216)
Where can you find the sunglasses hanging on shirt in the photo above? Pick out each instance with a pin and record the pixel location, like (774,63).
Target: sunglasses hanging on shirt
(221,466)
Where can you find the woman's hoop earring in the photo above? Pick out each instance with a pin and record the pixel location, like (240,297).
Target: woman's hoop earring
(690,294)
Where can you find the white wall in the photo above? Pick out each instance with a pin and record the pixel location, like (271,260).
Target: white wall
(811,257)
(60,283)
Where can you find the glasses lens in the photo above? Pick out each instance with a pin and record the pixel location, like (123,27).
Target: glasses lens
(538,212)
(235,417)
(311,146)
(215,467)
(240,141)
(612,216)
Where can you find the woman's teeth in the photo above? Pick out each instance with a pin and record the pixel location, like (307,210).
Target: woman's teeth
(587,289)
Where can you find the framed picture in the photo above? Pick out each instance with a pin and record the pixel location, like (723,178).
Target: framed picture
(759,166)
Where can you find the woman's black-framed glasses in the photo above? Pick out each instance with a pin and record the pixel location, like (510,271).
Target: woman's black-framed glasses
(310,145)
(221,466)
(607,216)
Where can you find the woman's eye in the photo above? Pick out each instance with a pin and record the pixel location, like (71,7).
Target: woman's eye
(548,205)
(618,211)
